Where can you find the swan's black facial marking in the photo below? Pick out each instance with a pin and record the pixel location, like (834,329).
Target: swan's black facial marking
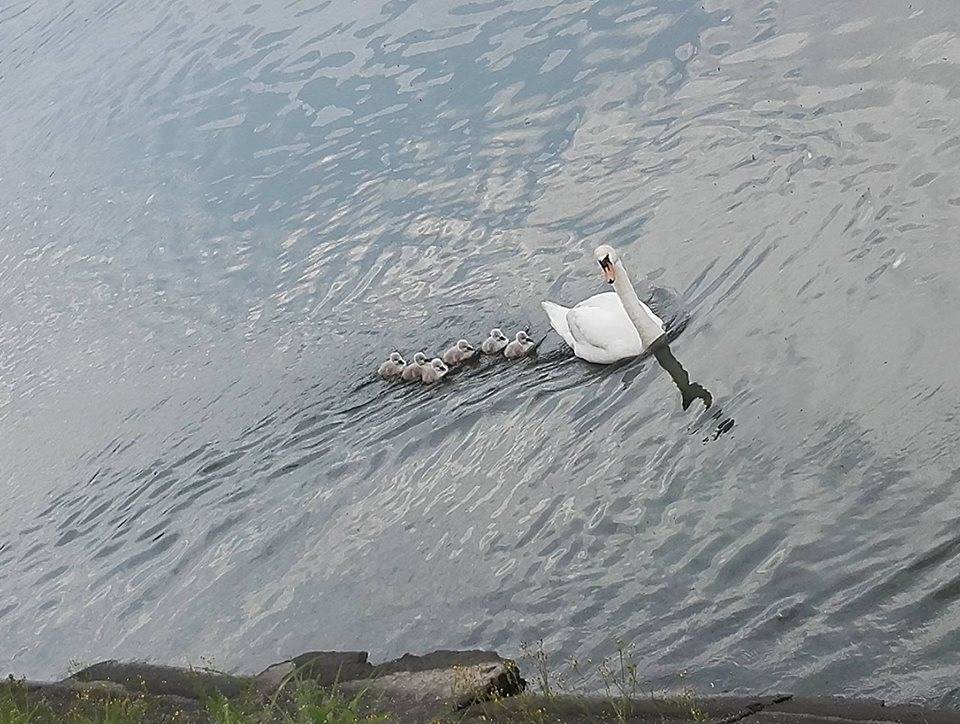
(609,272)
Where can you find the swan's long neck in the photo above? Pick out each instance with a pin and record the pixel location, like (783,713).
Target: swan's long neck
(643,319)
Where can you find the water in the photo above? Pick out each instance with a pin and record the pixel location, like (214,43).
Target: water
(215,221)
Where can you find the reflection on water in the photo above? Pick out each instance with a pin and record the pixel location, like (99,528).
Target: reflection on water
(217,218)
(689,391)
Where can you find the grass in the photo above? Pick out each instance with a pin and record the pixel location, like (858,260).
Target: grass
(297,701)
(686,704)
(570,693)
(15,709)
(18,707)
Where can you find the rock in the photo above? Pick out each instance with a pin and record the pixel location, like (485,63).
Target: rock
(98,688)
(411,687)
(440,659)
(821,709)
(443,685)
(274,675)
(85,700)
(781,709)
(325,667)
(166,680)
(575,708)
(423,688)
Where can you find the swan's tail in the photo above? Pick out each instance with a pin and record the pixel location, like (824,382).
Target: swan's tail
(558,320)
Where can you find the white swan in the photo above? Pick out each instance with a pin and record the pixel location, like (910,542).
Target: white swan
(611,326)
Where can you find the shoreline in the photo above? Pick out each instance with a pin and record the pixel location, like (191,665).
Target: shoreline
(442,686)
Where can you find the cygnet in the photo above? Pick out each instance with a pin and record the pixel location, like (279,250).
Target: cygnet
(495,343)
(393,367)
(414,370)
(460,352)
(434,371)
(519,347)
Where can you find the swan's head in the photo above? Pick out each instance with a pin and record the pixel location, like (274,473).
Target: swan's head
(523,337)
(438,366)
(396,358)
(420,359)
(498,335)
(464,346)
(608,259)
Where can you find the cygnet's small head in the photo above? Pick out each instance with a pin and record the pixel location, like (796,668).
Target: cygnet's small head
(498,335)
(523,337)
(464,346)
(607,258)
(420,359)
(438,366)
(396,358)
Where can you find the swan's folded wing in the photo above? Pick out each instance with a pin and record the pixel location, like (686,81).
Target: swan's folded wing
(603,333)
(605,300)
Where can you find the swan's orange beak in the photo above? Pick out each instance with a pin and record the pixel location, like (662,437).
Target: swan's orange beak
(609,270)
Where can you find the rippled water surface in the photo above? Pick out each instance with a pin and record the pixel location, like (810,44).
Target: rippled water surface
(217,219)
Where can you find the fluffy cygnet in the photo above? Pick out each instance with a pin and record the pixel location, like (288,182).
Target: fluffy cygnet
(393,367)
(519,347)
(495,343)
(434,371)
(460,352)
(414,370)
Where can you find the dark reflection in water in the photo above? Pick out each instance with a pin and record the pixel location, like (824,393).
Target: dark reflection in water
(217,218)
(689,391)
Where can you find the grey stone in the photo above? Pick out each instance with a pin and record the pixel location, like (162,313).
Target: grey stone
(327,668)
(783,709)
(274,675)
(856,710)
(165,680)
(570,708)
(440,659)
(412,692)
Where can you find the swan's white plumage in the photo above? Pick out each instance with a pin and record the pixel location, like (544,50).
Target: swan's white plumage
(599,329)
(558,320)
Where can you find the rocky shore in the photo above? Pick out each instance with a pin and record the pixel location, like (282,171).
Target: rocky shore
(341,687)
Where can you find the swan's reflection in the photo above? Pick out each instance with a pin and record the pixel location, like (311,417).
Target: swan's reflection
(689,391)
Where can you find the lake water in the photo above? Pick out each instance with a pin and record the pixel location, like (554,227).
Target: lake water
(216,219)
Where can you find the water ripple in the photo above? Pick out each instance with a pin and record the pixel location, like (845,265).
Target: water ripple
(216,220)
